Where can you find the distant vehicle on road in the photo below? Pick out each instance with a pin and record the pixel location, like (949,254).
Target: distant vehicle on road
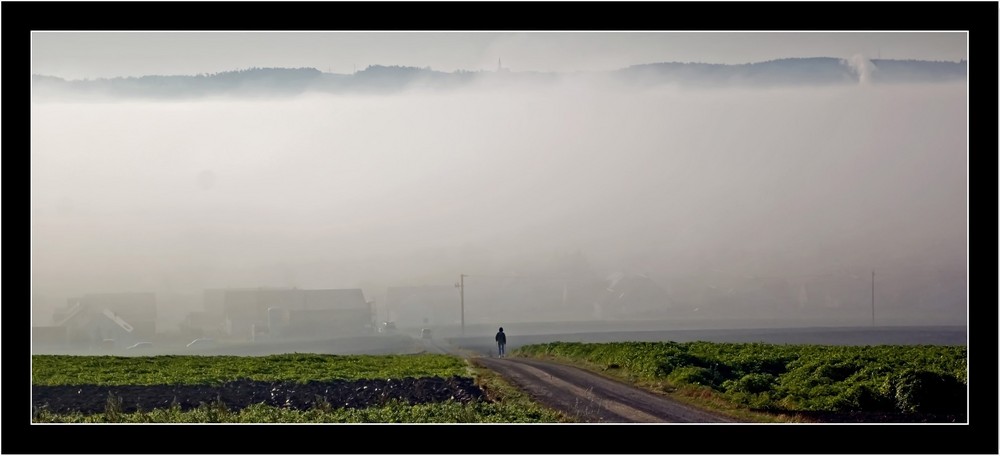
(201,342)
(387,326)
(139,345)
(425,333)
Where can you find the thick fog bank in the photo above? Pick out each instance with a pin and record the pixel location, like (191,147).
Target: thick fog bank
(736,202)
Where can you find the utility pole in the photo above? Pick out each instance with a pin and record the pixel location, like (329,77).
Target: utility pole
(461,293)
(873,297)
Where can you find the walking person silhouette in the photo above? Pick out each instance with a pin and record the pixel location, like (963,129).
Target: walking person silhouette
(501,339)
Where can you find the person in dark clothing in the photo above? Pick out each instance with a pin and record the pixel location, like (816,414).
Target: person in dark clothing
(501,341)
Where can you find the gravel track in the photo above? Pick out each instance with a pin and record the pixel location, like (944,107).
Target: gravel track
(591,398)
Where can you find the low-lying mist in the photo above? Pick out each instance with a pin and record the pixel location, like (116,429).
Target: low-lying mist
(688,186)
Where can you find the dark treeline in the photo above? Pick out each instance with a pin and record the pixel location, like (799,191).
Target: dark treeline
(379,78)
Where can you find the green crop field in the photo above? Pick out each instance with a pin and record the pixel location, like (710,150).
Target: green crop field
(198,370)
(770,377)
(500,403)
(445,412)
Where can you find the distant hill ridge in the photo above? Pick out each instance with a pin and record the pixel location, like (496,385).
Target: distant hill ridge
(379,78)
(799,71)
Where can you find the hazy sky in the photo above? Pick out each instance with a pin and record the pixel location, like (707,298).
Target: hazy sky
(76,55)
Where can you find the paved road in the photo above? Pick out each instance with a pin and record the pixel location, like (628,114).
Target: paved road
(591,398)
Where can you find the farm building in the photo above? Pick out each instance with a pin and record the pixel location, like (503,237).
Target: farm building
(107,320)
(282,313)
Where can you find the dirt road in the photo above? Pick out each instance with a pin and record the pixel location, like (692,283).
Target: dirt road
(591,398)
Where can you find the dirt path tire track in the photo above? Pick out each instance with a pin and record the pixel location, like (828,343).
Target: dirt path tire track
(591,398)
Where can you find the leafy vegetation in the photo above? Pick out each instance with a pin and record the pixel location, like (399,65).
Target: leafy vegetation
(506,404)
(216,370)
(883,378)
(443,412)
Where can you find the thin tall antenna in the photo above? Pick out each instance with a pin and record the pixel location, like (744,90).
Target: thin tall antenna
(461,292)
(873,297)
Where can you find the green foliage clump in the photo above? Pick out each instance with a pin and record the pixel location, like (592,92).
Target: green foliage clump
(691,375)
(922,391)
(889,378)
(752,384)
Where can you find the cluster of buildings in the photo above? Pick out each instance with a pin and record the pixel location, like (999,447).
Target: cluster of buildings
(119,320)
(116,321)
(281,313)
(108,320)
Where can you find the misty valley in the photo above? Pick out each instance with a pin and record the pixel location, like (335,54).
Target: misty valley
(775,241)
